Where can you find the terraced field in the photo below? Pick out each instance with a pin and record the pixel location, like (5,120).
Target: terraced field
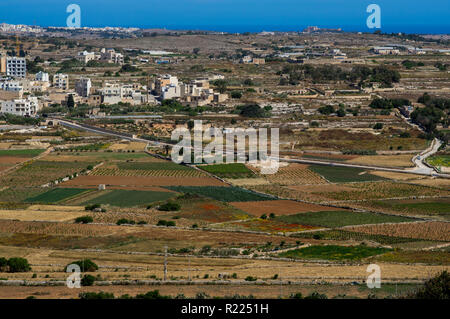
(332,252)
(234,171)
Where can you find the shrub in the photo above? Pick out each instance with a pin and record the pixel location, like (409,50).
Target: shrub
(378,126)
(169,207)
(435,288)
(166,223)
(92,207)
(153,294)
(142,222)
(86,265)
(17,264)
(87,280)
(250,278)
(84,220)
(123,221)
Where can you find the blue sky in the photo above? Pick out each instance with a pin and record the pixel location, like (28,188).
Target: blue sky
(235,15)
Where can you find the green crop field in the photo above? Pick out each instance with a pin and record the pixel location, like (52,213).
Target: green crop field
(234,170)
(55,195)
(332,252)
(339,234)
(341,218)
(224,194)
(439,207)
(344,174)
(152,166)
(21,153)
(439,160)
(129,198)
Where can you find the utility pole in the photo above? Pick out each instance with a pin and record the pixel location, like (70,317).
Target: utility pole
(165,263)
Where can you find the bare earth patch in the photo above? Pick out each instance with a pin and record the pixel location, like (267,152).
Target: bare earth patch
(279,207)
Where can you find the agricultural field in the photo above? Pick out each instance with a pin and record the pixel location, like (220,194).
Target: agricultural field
(139,181)
(228,194)
(348,235)
(429,207)
(332,252)
(56,195)
(400,161)
(277,207)
(128,198)
(295,174)
(341,218)
(38,173)
(26,153)
(232,171)
(270,226)
(344,174)
(439,161)
(422,230)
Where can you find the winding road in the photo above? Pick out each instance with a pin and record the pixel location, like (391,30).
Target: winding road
(420,169)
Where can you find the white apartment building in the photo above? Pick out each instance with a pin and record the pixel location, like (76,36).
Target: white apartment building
(16,67)
(61,81)
(83,87)
(42,77)
(22,107)
(11,86)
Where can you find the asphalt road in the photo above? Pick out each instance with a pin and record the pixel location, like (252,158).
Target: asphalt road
(420,169)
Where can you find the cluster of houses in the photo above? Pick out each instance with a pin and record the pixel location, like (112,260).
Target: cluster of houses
(25,95)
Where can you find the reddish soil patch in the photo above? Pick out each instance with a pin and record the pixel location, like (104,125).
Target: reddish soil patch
(279,207)
(83,181)
(210,207)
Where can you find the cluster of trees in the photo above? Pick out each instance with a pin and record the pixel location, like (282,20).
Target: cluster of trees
(327,73)
(18,120)
(253,111)
(436,110)
(388,104)
(14,264)
(169,207)
(411,64)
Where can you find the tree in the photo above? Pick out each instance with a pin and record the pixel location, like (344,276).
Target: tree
(87,280)
(236,94)
(70,102)
(169,207)
(378,126)
(326,110)
(252,110)
(435,288)
(17,264)
(340,112)
(84,220)
(196,51)
(221,85)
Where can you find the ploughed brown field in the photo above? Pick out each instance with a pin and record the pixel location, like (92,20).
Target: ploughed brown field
(279,207)
(12,159)
(86,181)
